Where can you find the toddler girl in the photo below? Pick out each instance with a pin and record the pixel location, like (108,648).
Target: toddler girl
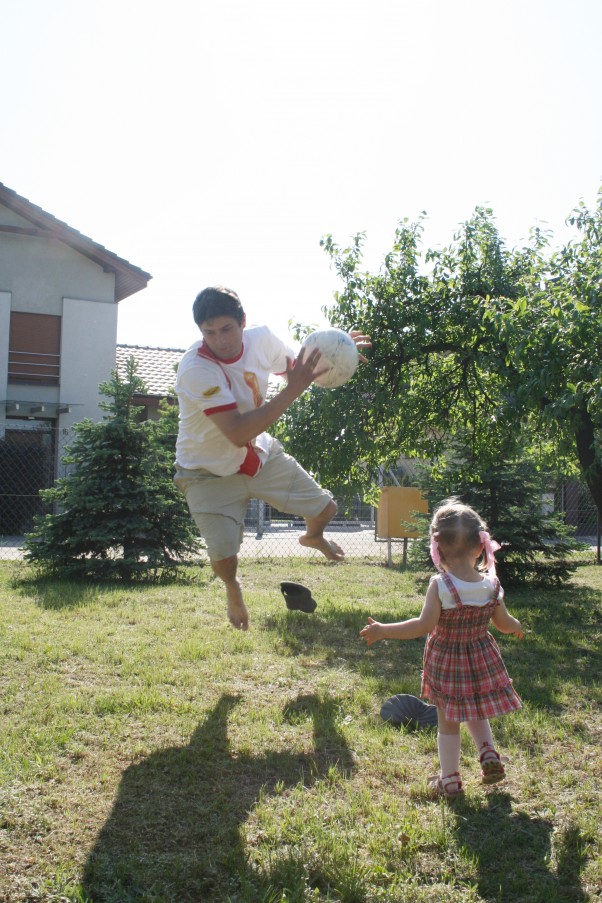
(464,675)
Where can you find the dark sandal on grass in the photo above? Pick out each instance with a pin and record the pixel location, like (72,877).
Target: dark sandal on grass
(449,787)
(492,768)
(298,597)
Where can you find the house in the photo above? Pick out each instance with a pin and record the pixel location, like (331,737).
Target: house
(59,296)
(156,367)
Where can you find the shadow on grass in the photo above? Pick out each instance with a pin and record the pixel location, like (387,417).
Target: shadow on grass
(527,842)
(174,831)
(55,595)
(559,648)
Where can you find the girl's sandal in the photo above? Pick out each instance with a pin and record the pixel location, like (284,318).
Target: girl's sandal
(449,787)
(492,768)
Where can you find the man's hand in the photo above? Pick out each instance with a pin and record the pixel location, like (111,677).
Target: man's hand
(361,341)
(301,372)
(242,428)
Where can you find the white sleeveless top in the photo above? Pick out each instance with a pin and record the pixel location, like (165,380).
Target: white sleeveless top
(478,593)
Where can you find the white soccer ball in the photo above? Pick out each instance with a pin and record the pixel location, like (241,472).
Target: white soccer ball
(338,352)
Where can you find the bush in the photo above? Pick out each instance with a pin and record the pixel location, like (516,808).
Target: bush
(117,514)
(537,545)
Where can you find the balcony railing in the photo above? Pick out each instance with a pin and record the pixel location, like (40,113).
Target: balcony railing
(34,367)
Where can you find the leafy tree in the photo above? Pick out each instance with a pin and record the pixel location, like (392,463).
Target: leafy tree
(503,347)
(430,371)
(553,336)
(118,513)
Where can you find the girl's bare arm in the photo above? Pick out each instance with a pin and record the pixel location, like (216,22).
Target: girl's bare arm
(504,621)
(410,629)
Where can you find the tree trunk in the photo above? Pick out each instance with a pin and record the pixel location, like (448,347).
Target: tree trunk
(592,470)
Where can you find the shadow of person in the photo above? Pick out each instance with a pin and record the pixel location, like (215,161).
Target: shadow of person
(539,873)
(174,831)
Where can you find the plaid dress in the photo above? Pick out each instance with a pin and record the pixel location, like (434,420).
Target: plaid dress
(464,674)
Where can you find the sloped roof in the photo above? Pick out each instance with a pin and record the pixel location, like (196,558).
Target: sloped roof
(129,279)
(156,366)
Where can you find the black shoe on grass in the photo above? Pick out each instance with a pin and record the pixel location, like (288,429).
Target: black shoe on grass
(298,597)
(409,710)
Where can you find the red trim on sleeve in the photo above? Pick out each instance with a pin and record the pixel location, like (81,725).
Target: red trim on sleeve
(284,372)
(221,407)
(252,463)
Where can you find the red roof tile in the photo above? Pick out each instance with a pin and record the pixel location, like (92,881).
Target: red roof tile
(156,366)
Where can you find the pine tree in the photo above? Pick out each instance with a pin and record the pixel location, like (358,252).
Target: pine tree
(117,513)
(537,544)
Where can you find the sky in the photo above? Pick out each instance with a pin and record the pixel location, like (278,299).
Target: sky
(217,141)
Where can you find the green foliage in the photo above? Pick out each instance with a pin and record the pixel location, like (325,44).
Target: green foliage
(536,544)
(501,347)
(554,341)
(117,513)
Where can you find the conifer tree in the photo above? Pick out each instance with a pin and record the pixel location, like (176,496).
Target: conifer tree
(117,513)
(537,544)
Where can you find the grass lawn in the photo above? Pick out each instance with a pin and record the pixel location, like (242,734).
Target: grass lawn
(149,752)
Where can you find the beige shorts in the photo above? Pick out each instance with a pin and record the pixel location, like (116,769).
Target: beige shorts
(218,504)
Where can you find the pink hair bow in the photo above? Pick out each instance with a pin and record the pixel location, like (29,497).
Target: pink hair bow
(435,554)
(491,546)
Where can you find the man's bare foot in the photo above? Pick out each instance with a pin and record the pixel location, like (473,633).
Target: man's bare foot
(237,610)
(328,548)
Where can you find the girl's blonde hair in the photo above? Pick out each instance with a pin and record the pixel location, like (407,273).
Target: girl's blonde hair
(456,526)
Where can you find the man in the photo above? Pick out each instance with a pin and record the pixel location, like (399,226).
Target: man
(224,456)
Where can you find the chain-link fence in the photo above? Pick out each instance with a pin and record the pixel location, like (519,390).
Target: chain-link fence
(29,461)
(270,533)
(575,501)
(31,455)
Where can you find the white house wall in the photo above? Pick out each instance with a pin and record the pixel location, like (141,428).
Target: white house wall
(4,333)
(45,276)
(40,272)
(88,340)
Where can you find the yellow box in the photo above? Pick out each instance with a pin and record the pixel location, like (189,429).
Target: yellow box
(396,507)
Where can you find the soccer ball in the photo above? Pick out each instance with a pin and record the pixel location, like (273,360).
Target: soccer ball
(339,353)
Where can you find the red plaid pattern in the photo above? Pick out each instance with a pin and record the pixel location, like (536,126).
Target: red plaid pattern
(464,673)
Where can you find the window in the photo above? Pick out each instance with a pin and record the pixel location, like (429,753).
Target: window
(34,349)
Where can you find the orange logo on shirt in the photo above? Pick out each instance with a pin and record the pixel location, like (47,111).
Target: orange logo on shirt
(253,384)
(212,391)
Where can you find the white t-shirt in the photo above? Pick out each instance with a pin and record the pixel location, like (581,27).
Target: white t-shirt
(206,385)
(479,593)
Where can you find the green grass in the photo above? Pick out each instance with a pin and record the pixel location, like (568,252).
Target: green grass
(151,754)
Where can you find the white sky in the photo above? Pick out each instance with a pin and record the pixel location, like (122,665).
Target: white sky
(216,141)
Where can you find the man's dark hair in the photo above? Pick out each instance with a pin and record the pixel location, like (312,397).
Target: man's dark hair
(217,301)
